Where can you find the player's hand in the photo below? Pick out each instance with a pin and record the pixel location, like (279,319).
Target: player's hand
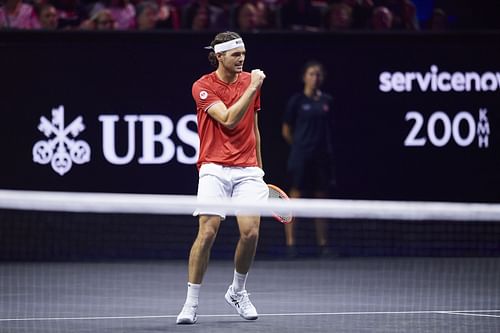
(258,77)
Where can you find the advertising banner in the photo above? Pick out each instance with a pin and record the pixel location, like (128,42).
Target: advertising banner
(416,115)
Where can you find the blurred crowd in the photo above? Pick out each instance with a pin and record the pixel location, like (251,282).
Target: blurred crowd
(239,15)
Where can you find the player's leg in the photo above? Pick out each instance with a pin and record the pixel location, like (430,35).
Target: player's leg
(211,185)
(236,294)
(200,251)
(290,228)
(297,173)
(248,186)
(321,224)
(198,262)
(247,244)
(321,181)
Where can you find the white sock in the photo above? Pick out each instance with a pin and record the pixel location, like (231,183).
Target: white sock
(239,281)
(193,294)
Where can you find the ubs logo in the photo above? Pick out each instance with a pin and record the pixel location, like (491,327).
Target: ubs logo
(61,148)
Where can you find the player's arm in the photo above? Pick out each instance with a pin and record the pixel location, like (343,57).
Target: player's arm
(257,140)
(289,120)
(286,132)
(230,117)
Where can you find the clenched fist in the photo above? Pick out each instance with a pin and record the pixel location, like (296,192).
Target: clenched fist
(258,77)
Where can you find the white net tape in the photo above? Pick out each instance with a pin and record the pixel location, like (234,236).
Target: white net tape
(175,204)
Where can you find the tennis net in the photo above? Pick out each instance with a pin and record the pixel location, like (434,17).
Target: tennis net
(118,262)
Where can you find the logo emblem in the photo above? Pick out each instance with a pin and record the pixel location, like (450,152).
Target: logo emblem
(61,149)
(203,94)
(235,301)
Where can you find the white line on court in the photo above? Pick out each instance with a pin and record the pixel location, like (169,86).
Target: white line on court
(457,312)
(467,313)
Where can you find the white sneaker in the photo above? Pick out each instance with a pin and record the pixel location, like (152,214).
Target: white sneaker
(187,315)
(241,303)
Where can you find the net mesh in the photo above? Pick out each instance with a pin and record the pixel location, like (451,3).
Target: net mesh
(73,271)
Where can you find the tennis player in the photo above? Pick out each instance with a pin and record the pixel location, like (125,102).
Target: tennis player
(230,166)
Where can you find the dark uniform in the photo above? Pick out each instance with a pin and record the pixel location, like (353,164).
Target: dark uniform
(310,164)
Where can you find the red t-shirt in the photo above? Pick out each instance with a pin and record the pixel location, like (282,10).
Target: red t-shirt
(218,144)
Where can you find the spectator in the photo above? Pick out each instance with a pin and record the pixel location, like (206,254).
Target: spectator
(339,17)
(307,128)
(15,14)
(265,16)
(122,10)
(265,13)
(361,12)
(409,19)
(438,20)
(202,15)
(123,13)
(382,19)
(300,15)
(168,15)
(404,14)
(47,16)
(146,15)
(247,17)
(196,18)
(71,13)
(101,20)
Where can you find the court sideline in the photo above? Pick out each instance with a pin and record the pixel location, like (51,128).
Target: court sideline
(341,295)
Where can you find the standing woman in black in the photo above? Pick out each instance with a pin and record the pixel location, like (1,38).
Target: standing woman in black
(306,127)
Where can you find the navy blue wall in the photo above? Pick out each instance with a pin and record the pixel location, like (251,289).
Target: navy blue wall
(407,125)
(96,75)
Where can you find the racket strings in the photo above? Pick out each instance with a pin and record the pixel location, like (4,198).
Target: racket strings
(275,194)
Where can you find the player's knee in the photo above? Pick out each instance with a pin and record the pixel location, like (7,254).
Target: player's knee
(207,236)
(250,236)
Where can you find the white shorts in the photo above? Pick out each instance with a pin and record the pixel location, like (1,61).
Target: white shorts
(221,182)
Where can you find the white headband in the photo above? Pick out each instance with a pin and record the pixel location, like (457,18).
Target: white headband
(229,45)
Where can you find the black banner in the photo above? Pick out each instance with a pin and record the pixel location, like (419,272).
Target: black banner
(417,115)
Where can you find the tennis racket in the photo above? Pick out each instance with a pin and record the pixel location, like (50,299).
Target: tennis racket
(276,193)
